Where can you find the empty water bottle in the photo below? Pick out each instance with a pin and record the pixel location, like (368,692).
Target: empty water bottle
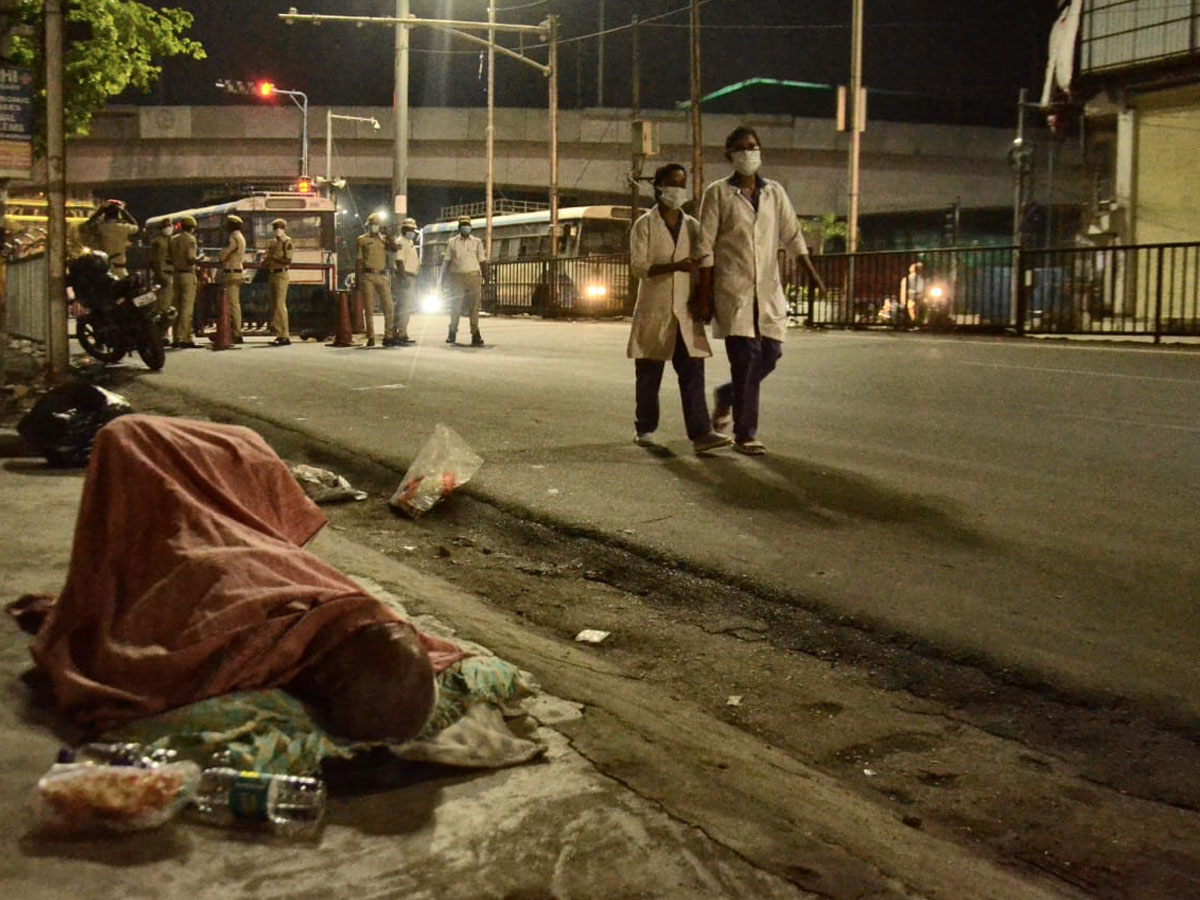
(290,805)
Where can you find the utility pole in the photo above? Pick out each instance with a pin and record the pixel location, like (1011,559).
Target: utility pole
(400,116)
(1019,157)
(600,57)
(697,154)
(57,356)
(856,122)
(553,101)
(491,125)
(635,107)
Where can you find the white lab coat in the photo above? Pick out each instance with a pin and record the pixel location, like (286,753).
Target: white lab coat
(662,299)
(743,246)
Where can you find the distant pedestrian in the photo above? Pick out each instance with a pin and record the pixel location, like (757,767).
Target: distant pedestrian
(462,277)
(370,268)
(277,261)
(745,221)
(111,228)
(663,253)
(184,256)
(408,267)
(233,273)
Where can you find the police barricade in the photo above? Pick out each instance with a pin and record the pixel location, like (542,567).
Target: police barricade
(312,307)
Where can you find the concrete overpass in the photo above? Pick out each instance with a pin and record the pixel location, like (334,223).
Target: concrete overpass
(904,166)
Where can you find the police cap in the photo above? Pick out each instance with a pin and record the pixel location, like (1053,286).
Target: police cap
(233,220)
(278,223)
(464,220)
(374,219)
(409,223)
(187,221)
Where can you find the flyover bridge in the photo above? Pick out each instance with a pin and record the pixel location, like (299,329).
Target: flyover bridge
(904,166)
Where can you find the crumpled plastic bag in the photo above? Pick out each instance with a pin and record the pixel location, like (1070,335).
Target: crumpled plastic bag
(323,486)
(62,425)
(80,798)
(444,464)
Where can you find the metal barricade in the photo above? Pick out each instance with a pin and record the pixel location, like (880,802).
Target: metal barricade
(584,287)
(27,288)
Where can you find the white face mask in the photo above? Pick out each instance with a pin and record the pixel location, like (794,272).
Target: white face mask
(464,230)
(278,232)
(408,233)
(746,162)
(374,229)
(673,197)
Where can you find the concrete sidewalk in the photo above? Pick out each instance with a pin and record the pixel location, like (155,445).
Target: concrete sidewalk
(726,816)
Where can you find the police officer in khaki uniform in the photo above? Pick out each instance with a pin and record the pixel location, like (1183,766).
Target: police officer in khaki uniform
(160,266)
(233,274)
(110,228)
(277,261)
(370,263)
(464,264)
(184,253)
(408,267)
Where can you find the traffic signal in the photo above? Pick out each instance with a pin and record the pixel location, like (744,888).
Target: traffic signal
(262,89)
(304,186)
(950,224)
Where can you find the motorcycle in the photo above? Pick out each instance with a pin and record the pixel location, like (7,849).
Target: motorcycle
(119,315)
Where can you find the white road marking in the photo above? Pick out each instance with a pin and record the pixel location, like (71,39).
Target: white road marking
(1137,422)
(380,387)
(1088,372)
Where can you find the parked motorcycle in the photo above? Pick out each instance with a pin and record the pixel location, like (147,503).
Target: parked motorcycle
(119,315)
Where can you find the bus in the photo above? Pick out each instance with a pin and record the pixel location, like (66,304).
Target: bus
(588,274)
(25,226)
(310,225)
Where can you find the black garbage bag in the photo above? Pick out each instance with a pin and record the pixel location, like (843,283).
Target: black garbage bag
(63,424)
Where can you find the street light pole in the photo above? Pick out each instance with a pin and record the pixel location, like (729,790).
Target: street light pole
(697,150)
(856,123)
(400,116)
(330,115)
(553,102)
(303,104)
(491,125)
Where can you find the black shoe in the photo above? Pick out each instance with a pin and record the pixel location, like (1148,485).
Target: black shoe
(187,345)
(280,342)
(239,340)
(452,338)
(390,342)
(370,342)
(477,340)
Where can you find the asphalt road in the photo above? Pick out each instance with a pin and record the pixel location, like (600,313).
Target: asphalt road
(1031,504)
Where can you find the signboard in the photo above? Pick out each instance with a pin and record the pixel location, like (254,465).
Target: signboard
(16,122)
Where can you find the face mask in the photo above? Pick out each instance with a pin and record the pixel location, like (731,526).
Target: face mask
(465,230)
(673,197)
(166,231)
(278,232)
(408,232)
(374,229)
(746,162)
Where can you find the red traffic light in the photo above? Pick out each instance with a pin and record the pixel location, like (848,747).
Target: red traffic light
(264,89)
(304,186)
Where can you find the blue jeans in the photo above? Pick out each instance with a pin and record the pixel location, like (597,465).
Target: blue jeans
(750,361)
(690,370)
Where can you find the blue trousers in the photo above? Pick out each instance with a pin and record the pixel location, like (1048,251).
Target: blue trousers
(750,361)
(690,370)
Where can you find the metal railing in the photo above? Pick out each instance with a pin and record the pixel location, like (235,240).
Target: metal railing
(26,298)
(586,286)
(1148,290)
(1138,290)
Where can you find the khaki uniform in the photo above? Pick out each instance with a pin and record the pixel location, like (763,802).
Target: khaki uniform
(277,261)
(232,277)
(464,265)
(184,254)
(371,260)
(408,267)
(164,273)
(113,238)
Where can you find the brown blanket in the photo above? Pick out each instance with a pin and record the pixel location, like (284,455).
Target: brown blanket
(187,577)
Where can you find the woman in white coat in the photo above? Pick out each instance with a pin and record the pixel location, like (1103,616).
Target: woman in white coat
(663,253)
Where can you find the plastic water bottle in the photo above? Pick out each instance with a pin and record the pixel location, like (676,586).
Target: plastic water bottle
(290,805)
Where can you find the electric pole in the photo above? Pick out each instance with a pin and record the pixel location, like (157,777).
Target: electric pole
(856,122)
(697,150)
(400,116)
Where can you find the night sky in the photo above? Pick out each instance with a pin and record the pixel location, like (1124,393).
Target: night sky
(962,59)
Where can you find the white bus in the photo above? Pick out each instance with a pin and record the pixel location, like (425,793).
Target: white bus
(310,225)
(591,273)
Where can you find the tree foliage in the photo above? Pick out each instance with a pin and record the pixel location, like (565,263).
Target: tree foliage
(123,41)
